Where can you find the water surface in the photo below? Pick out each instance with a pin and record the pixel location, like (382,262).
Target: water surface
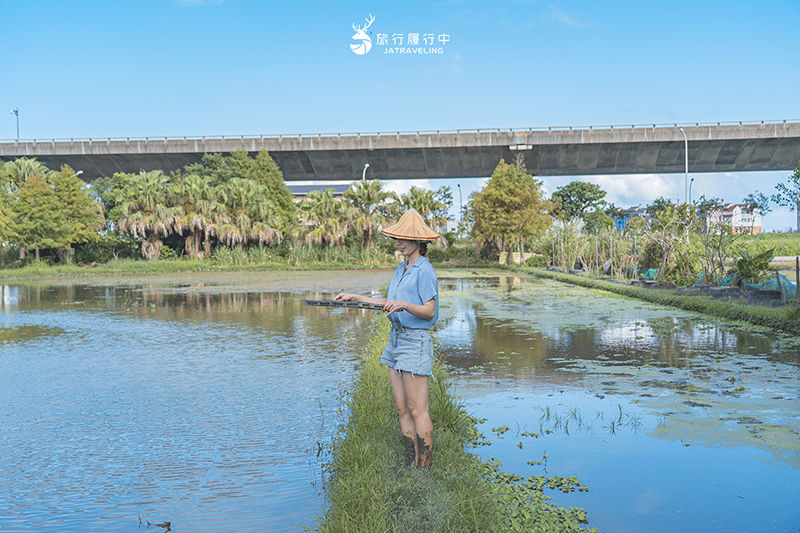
(675,421)
(209,404)
(210,400)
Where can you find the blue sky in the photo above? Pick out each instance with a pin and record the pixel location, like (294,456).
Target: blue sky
(170,67)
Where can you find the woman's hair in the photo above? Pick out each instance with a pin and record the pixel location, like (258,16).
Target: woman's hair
(423,248)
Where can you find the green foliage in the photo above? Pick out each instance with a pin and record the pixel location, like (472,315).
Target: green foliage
(574,200)
(537,261)
(788,194)
(431,205)
(597,221)
(754,268)
(510,208)
(83,215)
(757,202)
(372,206)
(39,215)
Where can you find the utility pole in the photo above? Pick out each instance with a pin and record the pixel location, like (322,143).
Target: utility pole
(16,112)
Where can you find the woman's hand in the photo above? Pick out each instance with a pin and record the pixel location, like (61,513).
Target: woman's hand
(424,311)
(346,297)
(395,305)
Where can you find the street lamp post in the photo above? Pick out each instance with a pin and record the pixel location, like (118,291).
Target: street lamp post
(16,112)
(460,208)
(690,190)
(364,172)
(686,164)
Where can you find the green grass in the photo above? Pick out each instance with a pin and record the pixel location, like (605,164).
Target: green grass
(785,319)
(254,258)
(369,487)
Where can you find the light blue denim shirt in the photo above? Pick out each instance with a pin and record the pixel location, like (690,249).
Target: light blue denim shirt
(417,286)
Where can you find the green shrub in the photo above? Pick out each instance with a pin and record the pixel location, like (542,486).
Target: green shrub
(754,268)
(537,261)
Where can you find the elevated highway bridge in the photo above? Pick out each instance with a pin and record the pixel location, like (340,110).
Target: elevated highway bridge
(547,151)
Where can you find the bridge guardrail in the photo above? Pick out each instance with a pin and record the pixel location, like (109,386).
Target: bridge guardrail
(395,133)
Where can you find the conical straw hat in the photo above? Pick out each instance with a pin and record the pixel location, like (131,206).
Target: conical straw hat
(410,227)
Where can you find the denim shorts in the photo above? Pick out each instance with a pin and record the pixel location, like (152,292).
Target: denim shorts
(409,350)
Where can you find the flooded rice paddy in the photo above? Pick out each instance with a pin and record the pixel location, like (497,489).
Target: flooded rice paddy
(675,421)
(210,401)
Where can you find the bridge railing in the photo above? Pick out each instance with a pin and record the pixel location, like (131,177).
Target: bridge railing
(399,132)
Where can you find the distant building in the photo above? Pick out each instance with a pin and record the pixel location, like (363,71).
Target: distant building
(738,217)
(741,219)
(299,192)
(638,211)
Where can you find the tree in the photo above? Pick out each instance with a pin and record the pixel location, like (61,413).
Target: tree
(13,174)
(757,204)
(575,199)
(201,212)
(428,204)
(326,217)
(789,195)
(39,215)
(145,214)
(8,227)
(265,171)
(670,225)
(596,221)
(250,215)
(510,208)
(16,172)
(83,215)
(369,202)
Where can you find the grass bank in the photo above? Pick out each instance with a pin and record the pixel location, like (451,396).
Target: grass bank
(369,488)
(244,263)
(784,319)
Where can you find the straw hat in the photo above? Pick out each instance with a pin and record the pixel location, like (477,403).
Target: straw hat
(410,227)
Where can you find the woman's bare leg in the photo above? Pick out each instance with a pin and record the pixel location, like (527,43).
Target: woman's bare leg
(411,397)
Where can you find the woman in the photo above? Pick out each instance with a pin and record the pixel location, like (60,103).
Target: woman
(412,307)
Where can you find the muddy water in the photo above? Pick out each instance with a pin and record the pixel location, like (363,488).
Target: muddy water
(207,402)
(675,422)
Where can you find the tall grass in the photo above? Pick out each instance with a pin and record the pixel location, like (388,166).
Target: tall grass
(370,489)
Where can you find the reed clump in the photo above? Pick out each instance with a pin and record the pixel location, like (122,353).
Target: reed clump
(370,488)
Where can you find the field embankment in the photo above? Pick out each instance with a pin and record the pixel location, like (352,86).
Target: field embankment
(370,488)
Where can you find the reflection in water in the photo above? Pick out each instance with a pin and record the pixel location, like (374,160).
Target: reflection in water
(675,421)
(178,405)
(207,407)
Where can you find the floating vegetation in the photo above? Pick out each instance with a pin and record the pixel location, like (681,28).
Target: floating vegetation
(679,385)
(14,334)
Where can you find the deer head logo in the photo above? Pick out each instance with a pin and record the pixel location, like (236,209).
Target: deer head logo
(361,35)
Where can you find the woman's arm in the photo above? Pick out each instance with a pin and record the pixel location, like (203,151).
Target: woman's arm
(424,311)
(348,297)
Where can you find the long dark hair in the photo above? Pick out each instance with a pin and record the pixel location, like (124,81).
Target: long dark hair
(423,248)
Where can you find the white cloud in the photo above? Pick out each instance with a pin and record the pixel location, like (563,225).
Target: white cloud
(557,15)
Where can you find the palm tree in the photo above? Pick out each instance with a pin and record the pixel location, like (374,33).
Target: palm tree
(326,217)
(146,215)
(250,215)
(426,204)
(201,212)
(14,173)
(369,200)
